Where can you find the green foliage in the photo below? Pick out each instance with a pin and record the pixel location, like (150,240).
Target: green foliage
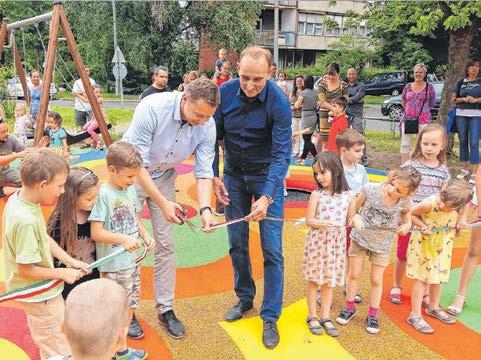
(6,103)
(409,54)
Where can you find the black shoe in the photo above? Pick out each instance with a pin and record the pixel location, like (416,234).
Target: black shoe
(236,312)
(270,334)
(2,194)
(345,316)
(174,326)
(135,330)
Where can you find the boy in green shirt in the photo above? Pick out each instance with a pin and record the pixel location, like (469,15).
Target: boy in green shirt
(29,250)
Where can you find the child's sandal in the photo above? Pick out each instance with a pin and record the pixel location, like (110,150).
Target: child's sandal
(441,315)
(329,327)
(420,325)
(313,328)
(395,298)
(456,310)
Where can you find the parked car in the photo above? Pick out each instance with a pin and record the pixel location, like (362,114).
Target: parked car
(391,83)
(393,108)
(14,88)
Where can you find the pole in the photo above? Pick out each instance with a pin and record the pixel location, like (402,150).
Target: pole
(21,72)
(3,34)
(114,23)
(276,33)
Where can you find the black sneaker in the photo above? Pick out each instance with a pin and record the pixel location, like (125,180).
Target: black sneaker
(345,316)
(237,311)
(135,330)
(174,326)
(372,325)
(270,334)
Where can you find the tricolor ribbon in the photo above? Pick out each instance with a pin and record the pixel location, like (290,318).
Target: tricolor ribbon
(46,285)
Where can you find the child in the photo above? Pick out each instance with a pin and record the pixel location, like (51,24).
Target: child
(28,249)
(429,253)
(92,125)
(350,145)
(115,221)
(68,224)
(222,57)
(57,134)
(383,206)
(324,253)
(429,159)
(339,122)
(282,83)
(22,122)
(101,337)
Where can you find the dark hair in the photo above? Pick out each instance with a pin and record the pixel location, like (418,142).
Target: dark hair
(333,68)
(340,100)
(308,82)
(56,116)
(203,89)
(349,138)
(294,87)
(329,160)
(470,63)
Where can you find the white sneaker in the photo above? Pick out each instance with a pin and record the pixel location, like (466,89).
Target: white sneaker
(463,174)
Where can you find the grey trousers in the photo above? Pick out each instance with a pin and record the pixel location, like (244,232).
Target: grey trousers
(10,177)
(358,125)
(164,254)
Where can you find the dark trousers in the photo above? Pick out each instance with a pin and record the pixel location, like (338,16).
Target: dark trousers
(308,146)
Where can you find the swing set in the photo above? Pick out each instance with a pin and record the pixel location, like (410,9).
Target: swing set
(58,20)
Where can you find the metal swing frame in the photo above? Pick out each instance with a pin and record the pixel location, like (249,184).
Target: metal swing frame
(58,20)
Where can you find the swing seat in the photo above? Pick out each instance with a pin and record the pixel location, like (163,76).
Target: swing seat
(74,139)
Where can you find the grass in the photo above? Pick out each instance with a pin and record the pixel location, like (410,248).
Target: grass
(106,96)
(371,99)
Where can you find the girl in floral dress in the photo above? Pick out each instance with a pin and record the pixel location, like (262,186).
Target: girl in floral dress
(429,251)
(325,250)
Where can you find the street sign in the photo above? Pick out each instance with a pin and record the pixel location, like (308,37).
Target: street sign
(118,57)
(119,71)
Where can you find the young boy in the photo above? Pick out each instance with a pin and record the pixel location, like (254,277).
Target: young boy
(339,122)
(115,221)
(106,319)
(29,250)
(350,145)
(218,63)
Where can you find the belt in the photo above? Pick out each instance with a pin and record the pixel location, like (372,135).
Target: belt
(242,170)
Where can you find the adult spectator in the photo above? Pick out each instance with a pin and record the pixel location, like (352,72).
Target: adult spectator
(185,82)
(418,98)
(468,116)
(330,88)
(224,75)
(82,108)
(10,150)
(35,94)
(167,128)
(159,84)
(355,105)
(307,101)
(273,71)
(254,120)
(298,143)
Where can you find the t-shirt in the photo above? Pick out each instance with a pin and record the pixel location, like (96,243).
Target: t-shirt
(25,242)
(219,80)
(466,88)
(10,145)
(153,90)
(218,64)
(339,123)
(78,86)
(117,209)
(384,218)
(432,179)
(56,137)
(20,127)
(35,95)
(356,178)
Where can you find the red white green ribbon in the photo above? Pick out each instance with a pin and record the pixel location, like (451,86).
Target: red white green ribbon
(46,285)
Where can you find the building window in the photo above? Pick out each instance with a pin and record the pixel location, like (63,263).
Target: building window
(310,24)
(336,30)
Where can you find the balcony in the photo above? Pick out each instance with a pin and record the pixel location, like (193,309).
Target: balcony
(266,38)
(282,3)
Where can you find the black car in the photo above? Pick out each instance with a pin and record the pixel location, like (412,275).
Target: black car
(386,83)
(393,108)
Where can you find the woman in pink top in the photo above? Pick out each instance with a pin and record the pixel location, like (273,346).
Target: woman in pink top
(415,95)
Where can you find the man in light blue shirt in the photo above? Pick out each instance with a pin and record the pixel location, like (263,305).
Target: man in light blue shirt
(166,129)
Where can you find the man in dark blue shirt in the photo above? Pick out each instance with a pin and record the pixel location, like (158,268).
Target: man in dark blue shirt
(254,120)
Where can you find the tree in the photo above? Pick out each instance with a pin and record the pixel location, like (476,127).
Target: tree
(409,54)
(460,19)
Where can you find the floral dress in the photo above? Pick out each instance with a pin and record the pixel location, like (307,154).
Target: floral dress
(429,256)
(325,249)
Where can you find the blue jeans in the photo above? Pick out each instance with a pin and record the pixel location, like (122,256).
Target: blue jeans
(469,133)
(241,189)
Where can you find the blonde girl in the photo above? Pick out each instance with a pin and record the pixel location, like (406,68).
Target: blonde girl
(429,251)
(22,122)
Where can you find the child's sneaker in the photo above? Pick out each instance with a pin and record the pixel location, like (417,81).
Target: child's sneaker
(463,174)
(130,354)
(345,316)
(372,325)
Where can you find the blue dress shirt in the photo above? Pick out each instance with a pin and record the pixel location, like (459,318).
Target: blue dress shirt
(256,131)
(164,140)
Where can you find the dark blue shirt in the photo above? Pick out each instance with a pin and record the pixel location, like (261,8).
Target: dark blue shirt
(256,131)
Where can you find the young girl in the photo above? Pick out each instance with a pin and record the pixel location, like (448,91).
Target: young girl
(68,224)
(384,206)
(429,159)
(325,250)
(22,122)
(429,252)
(92,125)
(57,134)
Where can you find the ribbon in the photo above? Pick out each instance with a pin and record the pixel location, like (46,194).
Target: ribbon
(46,285)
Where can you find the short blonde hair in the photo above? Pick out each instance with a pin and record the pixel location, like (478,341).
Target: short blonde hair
(42,165)
(349,138)
(457,194)
(407,174)
(256,53)
(121,155)
(422,66)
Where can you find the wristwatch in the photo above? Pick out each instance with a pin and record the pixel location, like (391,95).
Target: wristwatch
(201,211)
(269,198)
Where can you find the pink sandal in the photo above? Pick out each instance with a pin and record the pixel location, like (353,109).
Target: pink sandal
(395,298)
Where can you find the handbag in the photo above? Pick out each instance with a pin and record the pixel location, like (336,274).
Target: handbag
(411,125)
